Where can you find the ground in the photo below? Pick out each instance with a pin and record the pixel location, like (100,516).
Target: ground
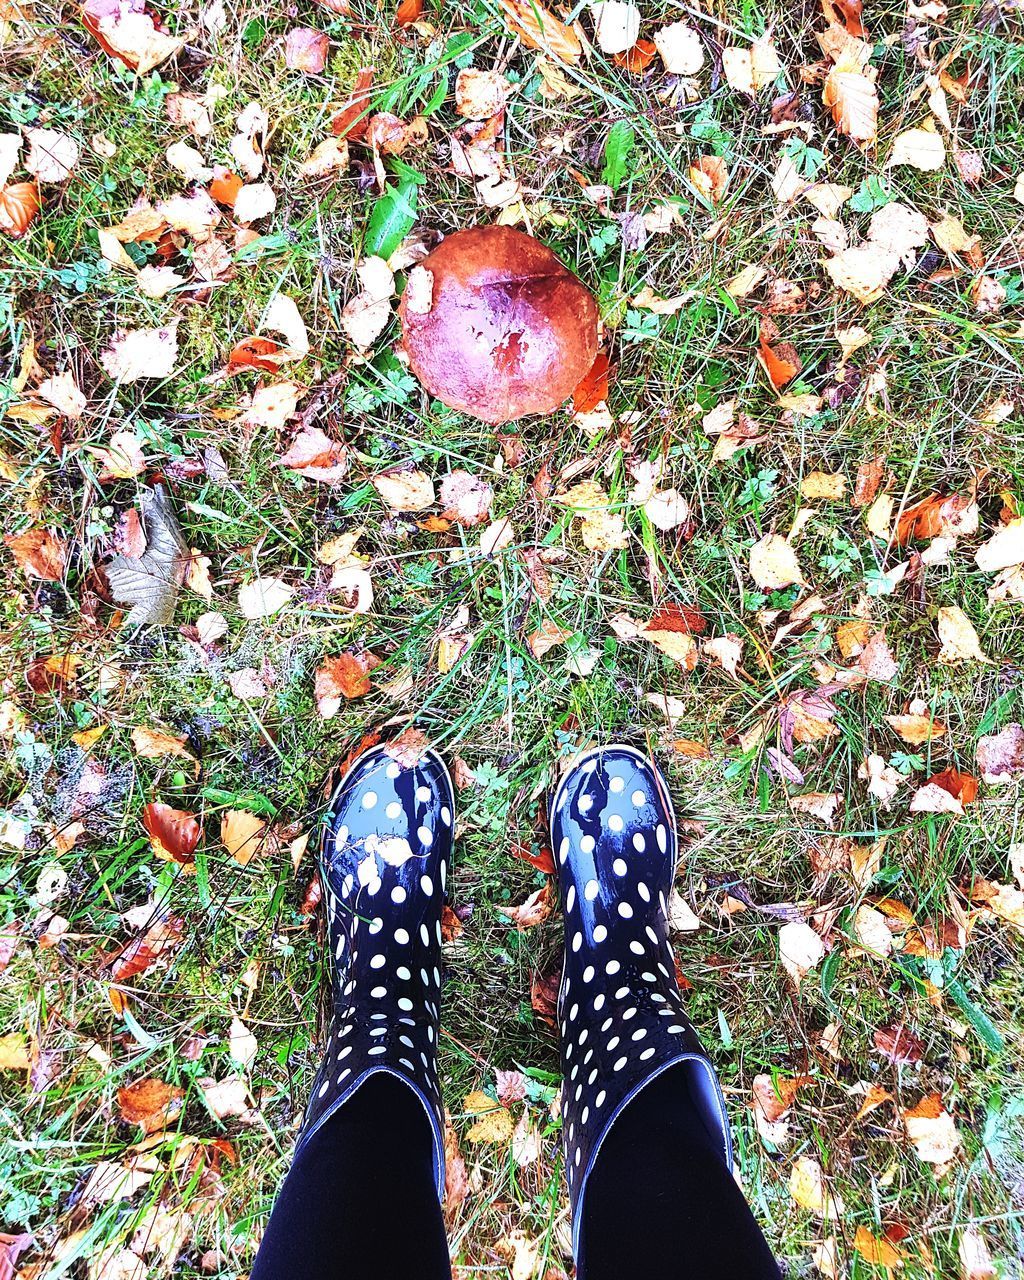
(849,957)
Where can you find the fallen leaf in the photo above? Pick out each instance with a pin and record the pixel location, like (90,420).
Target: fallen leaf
(242,1044)
(495,1125)
(920,148)
(129,31)
(773,563)
(1004,549)
(344,676)
(480,94)
(883,780)
(316,456)
(52,154)
(932,1130)
(365,316)
(538,28)
(466,498)
(807,1188)
(242,833)
(305,49)
(800,949)
(14,1052)
(1004,900)
(150,582)
(680,48)
(959,639)
(916,728)
(533,911)
(143,951)
(547,637)
(39,553)
(850,93)
(877,1251)
(975,1259)
(19,207)
(151,1103)
(173,833)
(753,69)
(263,597)
(227,1098)
(779,360)
(152,744)
(773,1097)
(822,486)
(254,200)
(328,159)
(1001,755)
(141,353)
(405,490)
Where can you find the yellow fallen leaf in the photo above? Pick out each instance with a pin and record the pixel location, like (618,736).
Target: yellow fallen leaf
(773,563)
(877,1251)
(807,1188)
(960,641)
(495,1125)
(87,738)
(538,28)
(405,490)
(151,744)
(242,834)
(14,1055)
(823,486)
(932,1130)
(920,148)
(849,91)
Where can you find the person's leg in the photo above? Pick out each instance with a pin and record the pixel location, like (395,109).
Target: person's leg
(661,1201)
(360,1202)
(646,1135)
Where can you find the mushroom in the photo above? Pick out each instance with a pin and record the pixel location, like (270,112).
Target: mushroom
(493,324)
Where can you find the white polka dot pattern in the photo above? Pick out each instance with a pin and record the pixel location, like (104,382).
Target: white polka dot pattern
(614,829)
(387,839)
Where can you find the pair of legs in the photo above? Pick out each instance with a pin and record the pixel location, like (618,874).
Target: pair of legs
(646,1155)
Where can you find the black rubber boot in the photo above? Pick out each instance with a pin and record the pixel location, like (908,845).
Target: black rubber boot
(620,1012)
(386,846)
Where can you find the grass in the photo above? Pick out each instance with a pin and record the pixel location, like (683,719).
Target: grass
(248,948)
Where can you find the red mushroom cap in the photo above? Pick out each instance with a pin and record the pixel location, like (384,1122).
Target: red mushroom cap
(493,324)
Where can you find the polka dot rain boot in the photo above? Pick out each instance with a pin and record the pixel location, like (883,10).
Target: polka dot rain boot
(620,1012)
(384,855)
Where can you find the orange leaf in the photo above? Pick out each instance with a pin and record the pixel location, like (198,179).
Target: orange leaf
(173,833)
(593,387)
(961,786)
(408,12)
(151,1103)
(678,617)
(39,554)
(638,59)
(847,13)
(254,353)
(781,361)
(352,120)
(538,28)
(19,207)
(345,676)
(710,175)
(225,186)
(877,1251)
(143,951)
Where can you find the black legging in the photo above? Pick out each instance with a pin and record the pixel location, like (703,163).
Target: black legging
(359,1203)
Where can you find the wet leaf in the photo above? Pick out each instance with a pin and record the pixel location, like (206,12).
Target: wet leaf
(173,833)
(39,553)
(151,1103)
(149,583)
